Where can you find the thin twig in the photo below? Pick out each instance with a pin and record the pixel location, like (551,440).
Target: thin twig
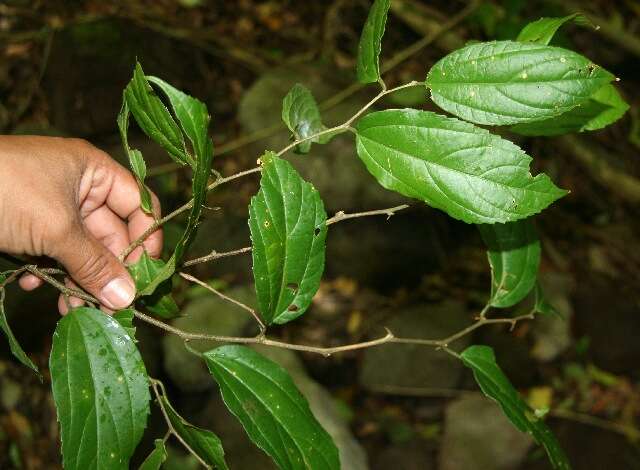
(389,337)
(337,98)
(347,124)
(160,222)
(341,215)
(12,277)
(253,313)
(155,384)
(60,286)
(628,431)
(214,255)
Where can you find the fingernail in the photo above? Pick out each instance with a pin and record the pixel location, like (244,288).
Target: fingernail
(76,302)
(119,293)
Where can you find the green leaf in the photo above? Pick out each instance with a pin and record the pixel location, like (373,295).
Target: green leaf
(288,232)
(199,183)
(153,117)
(136,161)
(125,318)
(604,107)
(160,302)
(368,65)
(301,115)
(100,388)
(191,112)
(452,165)
(156,458)
(543,30)
(275,415)
(541,304)
(514,256)
(14,346)
(507,82)
(204,443)
(494,384)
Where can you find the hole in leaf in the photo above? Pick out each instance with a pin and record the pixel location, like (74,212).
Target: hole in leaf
(293,308)
(317,231)
(293,286)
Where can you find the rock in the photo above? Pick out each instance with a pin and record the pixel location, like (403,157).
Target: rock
(334,169)
(396,365)
(10,393)
(552,333)
(478,435)
(412,455)
(208,314)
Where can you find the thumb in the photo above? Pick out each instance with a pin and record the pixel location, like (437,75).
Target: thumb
(97,270)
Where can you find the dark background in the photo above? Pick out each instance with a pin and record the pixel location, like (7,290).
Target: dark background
(63,67)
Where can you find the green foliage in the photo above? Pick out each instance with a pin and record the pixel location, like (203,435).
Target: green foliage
(452,165)
(288,232)
(194,120)
(191,113)
(274,414)
(507,82)
(160,302)
(301,115)
(100,385)
(156,458)
(514,256)
(204,443)
(100,388)
(602,109)
(541,304)
(494,384)
(136,161)
(368,63)
(543,30)
(153,117)
(14,345)
(125,318)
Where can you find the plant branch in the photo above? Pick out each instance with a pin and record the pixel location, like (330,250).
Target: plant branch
(42,274)
(388,338)
(214,255)
(341,215)
(253,313)
(155,384)
(347,124)
(337,98)
(185,207)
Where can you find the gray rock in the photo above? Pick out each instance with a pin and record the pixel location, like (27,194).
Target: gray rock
(396,365)
(478,435)
(334,169)
(207,314)
(10,393)
(552,333)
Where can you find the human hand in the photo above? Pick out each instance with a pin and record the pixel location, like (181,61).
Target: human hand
(68,200)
